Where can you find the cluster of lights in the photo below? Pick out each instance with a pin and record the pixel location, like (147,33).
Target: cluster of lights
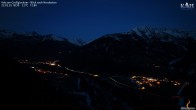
(46,72)
(53,64)
(50,63)
(43,71)
(95,75)
(151,82)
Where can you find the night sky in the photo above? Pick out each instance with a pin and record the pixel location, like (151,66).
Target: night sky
(90,19)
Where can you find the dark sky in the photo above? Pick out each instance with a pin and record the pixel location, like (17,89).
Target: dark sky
(90,19)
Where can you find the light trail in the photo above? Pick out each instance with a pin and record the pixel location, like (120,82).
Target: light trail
(118,82)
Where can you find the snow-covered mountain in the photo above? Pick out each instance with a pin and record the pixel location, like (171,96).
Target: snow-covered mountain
(142,50)
(162,33)
(34,45)
(4,34)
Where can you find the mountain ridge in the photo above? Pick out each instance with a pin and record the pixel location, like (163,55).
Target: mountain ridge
(132,52)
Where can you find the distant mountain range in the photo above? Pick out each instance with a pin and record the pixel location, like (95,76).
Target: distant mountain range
(142,50)
(28,45)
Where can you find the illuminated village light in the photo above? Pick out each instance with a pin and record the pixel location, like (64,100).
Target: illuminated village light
(52,64)
(152,82)
(158,82)
(142,88)
(133,77)
(96,75)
